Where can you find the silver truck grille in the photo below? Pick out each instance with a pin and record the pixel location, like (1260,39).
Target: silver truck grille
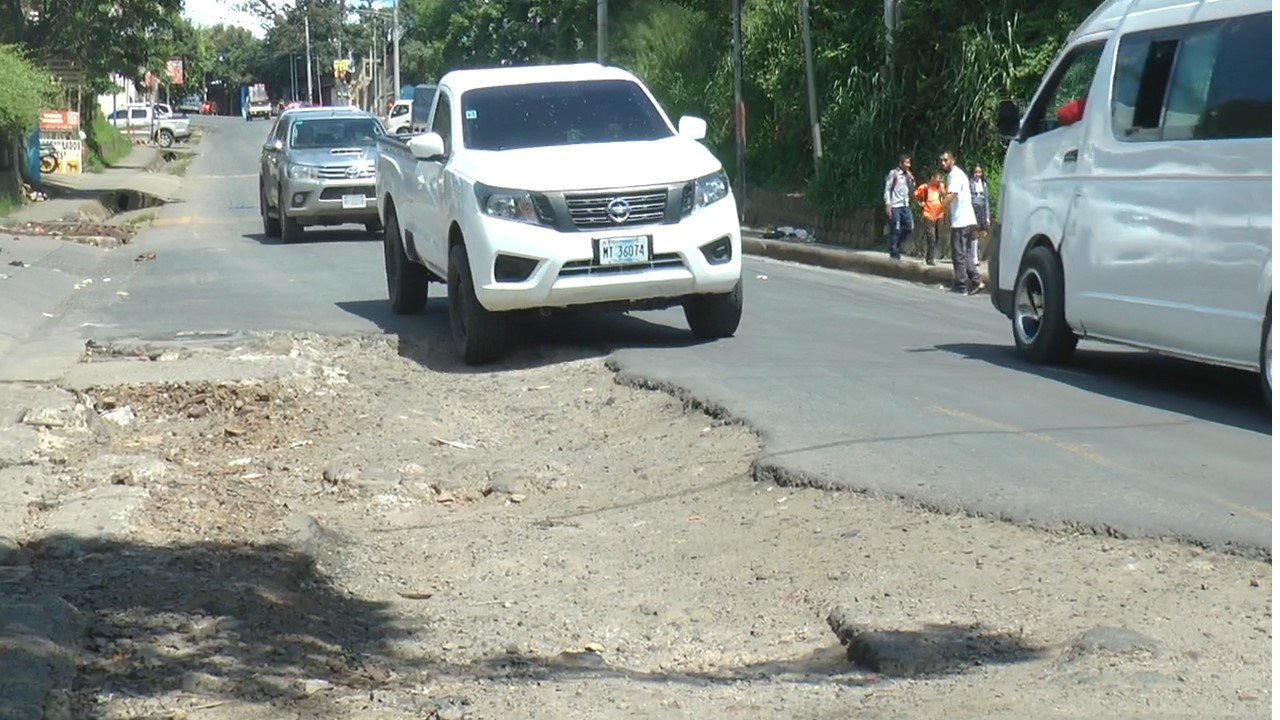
(342,172)
(597,210)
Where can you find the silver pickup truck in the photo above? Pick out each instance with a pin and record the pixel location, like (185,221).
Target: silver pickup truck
(141,120)
(317,168)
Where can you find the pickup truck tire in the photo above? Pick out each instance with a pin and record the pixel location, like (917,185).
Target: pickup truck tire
(1040,329)
(270,225)
(165,138)
(479,335)
(712,317)
(406,280)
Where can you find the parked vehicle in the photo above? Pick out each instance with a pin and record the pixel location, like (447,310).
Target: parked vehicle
(256,102)
(142,120)
(1135,202)
(399,116)
(317,168)
(556,186)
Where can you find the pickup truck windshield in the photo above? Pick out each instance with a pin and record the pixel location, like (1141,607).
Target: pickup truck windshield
(334,133)
(559,113)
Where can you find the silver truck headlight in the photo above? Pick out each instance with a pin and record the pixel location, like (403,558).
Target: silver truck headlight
(303,172)
(514,205)
(710,189)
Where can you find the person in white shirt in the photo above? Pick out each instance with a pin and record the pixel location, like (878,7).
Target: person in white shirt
(964,224)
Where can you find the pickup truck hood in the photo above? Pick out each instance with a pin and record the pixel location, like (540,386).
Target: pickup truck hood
(590,167)
(323,156)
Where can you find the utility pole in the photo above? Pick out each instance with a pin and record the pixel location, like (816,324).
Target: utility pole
(602,30)
(813,91)
(306,26)
(739,110)
(395,45)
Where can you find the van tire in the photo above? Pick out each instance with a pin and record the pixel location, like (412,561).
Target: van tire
(1264,357)
(406,280)
(479,335)
(1040,329)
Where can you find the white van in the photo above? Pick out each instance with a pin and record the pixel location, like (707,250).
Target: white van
(1135,202)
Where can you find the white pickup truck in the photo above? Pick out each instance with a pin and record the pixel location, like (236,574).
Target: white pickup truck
(557,186)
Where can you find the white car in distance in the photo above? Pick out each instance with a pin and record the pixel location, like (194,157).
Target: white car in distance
(557,186)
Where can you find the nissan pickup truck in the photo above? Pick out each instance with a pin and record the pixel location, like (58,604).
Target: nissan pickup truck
(556,187)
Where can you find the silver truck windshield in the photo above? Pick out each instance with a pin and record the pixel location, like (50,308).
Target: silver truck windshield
(559,113)
(334,133)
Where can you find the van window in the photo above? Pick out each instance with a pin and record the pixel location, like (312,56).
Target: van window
(1071,82)
(1239,102)
(1196,82)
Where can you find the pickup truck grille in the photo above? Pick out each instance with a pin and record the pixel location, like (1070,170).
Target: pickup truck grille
(592,210)
(661,261)
(339,172)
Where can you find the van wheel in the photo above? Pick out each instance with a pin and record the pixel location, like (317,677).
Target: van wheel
(479,335)
(1040,328)
(711,317)
(1264,360)
(406,280)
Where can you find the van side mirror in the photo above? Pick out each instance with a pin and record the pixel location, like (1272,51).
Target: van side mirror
(427,146)
(1008,119)
(694,128)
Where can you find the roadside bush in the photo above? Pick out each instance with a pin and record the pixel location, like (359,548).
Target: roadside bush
(105,144)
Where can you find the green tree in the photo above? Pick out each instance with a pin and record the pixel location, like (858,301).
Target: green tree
(24,91)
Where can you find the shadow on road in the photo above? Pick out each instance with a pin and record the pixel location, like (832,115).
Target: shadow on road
(534,341)
(243,621)
(320,236)
(1210,393)
(261,624)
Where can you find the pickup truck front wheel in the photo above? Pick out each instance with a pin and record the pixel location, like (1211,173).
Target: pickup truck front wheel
(711,317)
(479,335)
(406,280)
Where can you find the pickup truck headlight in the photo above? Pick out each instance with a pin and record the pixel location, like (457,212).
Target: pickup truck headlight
(517,205)
(303,172)
(710,190)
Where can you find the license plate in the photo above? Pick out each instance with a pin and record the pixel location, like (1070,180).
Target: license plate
(624,250)
(354,202)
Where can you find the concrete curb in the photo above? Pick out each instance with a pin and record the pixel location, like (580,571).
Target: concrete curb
(867,262)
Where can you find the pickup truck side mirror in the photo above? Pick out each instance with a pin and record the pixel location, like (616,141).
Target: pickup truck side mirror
(1008,119)
(273,146)
(427,146)
(694,128)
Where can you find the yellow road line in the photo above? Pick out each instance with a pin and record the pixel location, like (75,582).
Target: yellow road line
(1078,450)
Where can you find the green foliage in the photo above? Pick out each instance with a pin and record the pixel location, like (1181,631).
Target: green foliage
(105,144)
(24,91)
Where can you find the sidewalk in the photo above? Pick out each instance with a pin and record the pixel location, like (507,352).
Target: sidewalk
(94,197)
(835,257)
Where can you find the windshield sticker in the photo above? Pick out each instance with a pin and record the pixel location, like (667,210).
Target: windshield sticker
(471,114)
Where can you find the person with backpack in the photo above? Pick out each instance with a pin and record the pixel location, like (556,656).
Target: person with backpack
(899,185)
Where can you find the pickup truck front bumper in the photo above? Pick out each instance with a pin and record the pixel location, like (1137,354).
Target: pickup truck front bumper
(518,266)
(329,202)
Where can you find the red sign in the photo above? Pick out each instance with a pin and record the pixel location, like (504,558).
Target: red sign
(59,120)
(173,68)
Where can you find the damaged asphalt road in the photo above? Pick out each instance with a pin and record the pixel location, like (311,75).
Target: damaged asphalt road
(235,518)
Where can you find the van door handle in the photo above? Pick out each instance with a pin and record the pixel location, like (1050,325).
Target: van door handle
(1070,155)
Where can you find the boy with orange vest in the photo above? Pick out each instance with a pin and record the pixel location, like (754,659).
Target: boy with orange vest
(929,195)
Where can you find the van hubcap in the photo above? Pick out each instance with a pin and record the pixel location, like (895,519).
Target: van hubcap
(1028,307)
